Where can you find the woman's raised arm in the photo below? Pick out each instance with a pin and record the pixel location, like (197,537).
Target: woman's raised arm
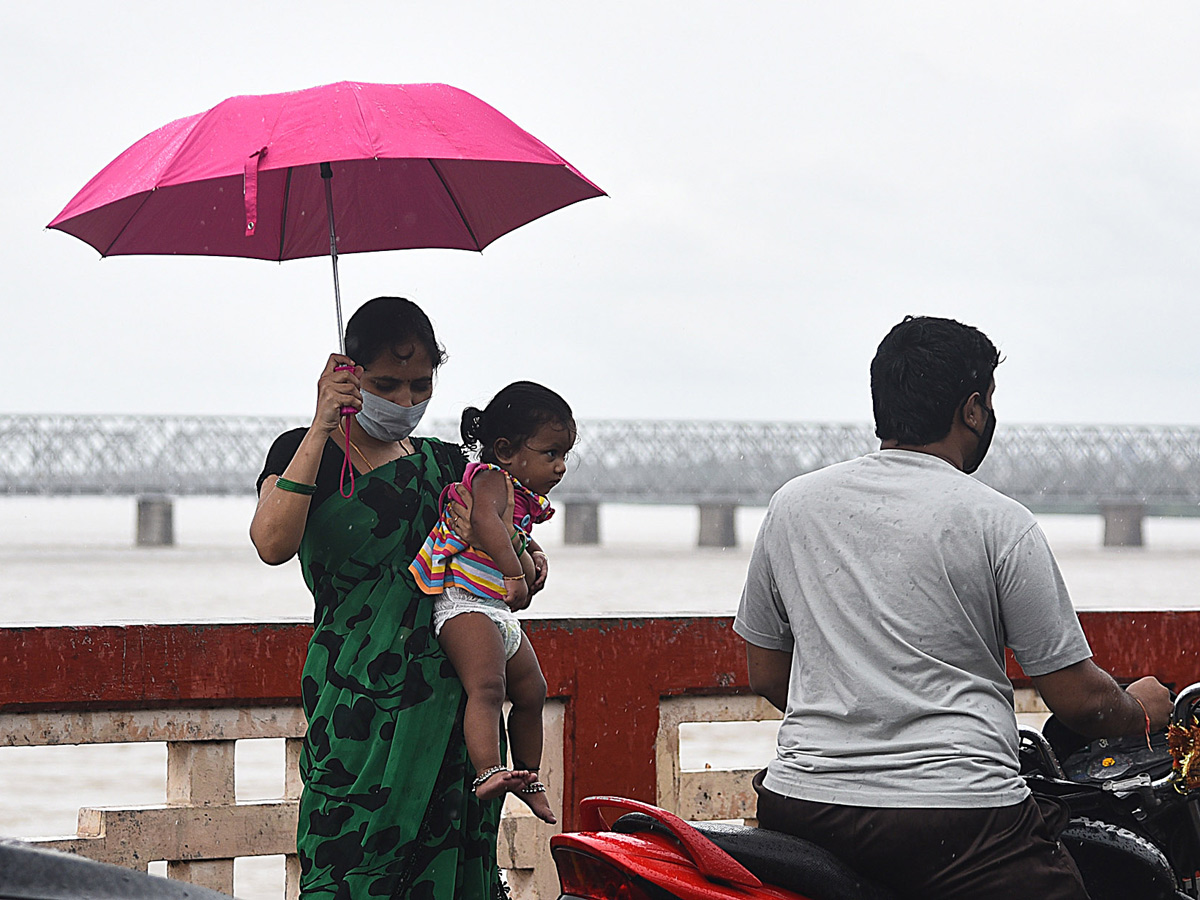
(279,519)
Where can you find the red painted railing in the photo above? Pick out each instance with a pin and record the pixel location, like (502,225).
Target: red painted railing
(611,673)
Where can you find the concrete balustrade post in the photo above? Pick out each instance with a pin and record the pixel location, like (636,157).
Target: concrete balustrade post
(711,793)
(200,773)
(523,845)
(155,521)
(717,525)
(291,791)
(581,523)
(1123,524)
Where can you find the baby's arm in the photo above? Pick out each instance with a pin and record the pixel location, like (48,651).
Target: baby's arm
(541,567)
(490,490)
(459,513)
(529,569)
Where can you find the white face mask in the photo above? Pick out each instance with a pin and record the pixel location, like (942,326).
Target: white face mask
(387,421)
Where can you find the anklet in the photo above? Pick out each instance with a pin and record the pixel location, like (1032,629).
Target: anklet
(534,787)
(486,774)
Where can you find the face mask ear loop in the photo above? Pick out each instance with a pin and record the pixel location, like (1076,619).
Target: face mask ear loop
(347,412)
(346,466)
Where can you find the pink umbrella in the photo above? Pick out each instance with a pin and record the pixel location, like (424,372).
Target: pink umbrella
(415,165)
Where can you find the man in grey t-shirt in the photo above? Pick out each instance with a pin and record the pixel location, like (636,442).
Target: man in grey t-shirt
(880,597)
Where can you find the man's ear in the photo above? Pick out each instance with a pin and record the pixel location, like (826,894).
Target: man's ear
(503,449)
(971,411)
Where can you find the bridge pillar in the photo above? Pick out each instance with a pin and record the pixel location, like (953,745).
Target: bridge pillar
(581,523)
(1123,524)
(155,521)
(717,526)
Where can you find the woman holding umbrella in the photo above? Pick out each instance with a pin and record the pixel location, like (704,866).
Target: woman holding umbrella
(386,809)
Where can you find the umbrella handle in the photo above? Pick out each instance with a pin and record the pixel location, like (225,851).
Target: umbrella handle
(345,410)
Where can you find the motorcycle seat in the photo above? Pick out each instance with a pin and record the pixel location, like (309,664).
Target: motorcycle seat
(776,858)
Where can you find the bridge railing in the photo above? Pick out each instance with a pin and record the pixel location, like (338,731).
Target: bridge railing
(131,455)
(1122,472)
(1051,467)
(612,726)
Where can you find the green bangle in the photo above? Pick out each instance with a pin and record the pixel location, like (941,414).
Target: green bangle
(520,540)
(295,487)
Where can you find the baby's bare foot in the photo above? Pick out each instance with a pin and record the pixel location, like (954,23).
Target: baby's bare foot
(537,801)
(501,783)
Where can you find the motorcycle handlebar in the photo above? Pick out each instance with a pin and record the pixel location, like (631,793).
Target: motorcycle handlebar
(1182,714)
(1185,701)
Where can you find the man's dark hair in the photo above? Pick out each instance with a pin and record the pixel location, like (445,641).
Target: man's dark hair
(921,374)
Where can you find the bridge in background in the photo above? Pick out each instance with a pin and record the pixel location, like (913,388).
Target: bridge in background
(1121,472)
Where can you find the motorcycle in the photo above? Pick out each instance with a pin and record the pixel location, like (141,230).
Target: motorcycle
(1134,830)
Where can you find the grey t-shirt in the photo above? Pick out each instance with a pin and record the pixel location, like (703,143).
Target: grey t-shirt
(896,581)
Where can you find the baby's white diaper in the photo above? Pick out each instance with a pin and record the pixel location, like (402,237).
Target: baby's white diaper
(454,601)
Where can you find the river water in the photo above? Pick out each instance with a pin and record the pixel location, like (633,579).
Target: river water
(72,561)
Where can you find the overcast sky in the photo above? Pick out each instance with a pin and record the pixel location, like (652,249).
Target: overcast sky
(787,180)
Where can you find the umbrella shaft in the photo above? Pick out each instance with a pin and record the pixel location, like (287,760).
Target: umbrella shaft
(337,300)
(327,177)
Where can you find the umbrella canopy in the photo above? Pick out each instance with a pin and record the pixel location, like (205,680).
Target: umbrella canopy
(416,165)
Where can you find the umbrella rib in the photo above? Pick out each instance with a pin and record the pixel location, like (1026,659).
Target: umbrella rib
(366,131)
(128,220)
(454,200)
(287,196)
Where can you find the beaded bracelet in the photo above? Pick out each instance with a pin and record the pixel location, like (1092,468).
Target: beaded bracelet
(295,487)
(514,577)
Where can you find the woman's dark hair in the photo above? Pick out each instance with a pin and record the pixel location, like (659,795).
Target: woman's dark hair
(921,374)
(390,323)
(515,414)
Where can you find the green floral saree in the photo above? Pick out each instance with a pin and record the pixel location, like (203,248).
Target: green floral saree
(387,808)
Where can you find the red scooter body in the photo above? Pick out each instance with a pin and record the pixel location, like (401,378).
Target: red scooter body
(654,855)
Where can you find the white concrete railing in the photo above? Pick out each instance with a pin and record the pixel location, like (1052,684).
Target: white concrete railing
(202,828)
